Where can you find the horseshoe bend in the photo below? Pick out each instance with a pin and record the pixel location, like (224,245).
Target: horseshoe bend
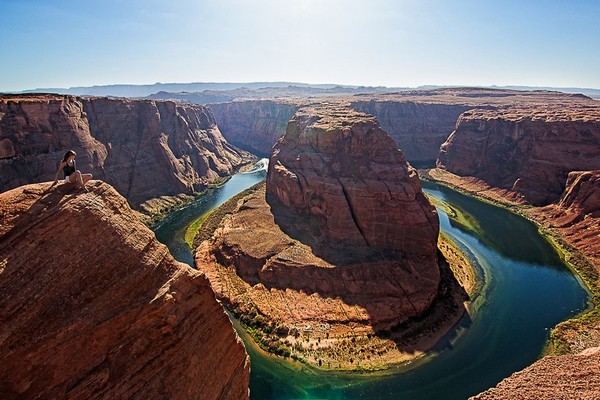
(334,260)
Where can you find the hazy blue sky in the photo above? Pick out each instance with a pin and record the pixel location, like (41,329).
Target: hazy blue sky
(59,43)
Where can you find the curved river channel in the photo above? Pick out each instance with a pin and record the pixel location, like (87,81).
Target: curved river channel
(526,291)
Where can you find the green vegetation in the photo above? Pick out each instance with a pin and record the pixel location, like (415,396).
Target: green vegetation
(459,217)
(204,226)
(192,229)
(588,320)
(562,335)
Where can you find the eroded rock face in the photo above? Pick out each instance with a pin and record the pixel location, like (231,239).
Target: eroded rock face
(564,377)
(254,125)
(576,215)
(93,306)
(525,151)
(340,245)
(418,128)
(143,148)
(340,168)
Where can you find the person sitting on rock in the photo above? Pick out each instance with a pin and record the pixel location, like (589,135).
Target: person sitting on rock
(71,173)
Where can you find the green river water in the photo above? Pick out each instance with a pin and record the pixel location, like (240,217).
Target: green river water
(526,291)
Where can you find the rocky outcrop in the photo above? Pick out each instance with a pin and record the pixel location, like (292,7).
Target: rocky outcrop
(143,148)
(571,377)
(341,244)
(528,152)
(576,216)
(418,128)
(254,125)
(340,168)
(93,306)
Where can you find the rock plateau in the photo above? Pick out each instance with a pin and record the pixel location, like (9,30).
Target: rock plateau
(143,148)
(343,251)
(93,306)
(526,152)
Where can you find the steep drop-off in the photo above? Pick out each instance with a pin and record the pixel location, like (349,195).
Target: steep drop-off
(570,377)
(143,148)
(341,169)
(418,128)
(527,152)
(254,125)
(339,248)
(93,306)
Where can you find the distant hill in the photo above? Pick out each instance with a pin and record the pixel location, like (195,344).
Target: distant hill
(220,96)
(146,90)
(258,89)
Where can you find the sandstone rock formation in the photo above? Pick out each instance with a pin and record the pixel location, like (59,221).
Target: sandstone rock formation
(345,248)
(93,306)
(419,128)
(143,148)
(254,125)
(340,168)
(528,152)
(571,377)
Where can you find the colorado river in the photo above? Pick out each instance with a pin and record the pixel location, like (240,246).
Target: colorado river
(527,290)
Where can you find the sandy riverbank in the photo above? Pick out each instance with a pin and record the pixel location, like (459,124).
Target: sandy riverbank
(347,343)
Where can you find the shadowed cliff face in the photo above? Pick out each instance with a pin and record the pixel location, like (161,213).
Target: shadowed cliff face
(341,244)
(340,168)
(417,128)
(577,214)
(253,125)
(143,148)
(529,153)
(93,306)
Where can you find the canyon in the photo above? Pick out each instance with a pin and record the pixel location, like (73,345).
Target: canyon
(536,152)
(542,163)
(93,306)
(143,148)
(340,247)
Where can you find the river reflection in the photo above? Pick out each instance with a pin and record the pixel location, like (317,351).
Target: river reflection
(527,291)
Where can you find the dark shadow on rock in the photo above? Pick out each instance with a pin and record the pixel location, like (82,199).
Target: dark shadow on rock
(366,277)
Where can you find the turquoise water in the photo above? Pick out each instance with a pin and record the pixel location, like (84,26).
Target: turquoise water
(527,291)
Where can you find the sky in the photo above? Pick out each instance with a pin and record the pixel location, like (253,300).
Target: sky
(396,43)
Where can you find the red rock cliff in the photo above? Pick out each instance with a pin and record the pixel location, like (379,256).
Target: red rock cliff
(253,125)
(419,128)
(527,151)
(143,148)
(93,306)
(341,168)
(340,245)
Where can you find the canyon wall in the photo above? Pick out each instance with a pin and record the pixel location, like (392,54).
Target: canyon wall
(418,128)
(254,125)
(341,168)
(143,148)
(93,306)
(575,377)
(340,245)
(525,151)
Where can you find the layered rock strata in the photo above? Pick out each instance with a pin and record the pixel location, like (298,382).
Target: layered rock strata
(143,148)
(417,128)
(527,152)
(571,377)
(254,125)
(93,306)
(343,251)
(342,170)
